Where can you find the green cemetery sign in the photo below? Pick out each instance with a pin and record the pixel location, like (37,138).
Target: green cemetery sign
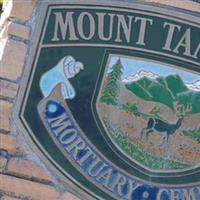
(111,97)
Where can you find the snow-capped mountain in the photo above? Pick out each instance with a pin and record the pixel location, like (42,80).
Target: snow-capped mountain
(194,86)
(135,77)
(139,75)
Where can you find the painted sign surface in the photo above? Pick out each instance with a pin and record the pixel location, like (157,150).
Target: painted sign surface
(112,99)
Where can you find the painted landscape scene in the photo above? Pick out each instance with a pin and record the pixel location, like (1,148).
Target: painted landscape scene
(151,112)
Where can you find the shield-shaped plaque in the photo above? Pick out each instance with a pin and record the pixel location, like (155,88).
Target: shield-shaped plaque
(111,98)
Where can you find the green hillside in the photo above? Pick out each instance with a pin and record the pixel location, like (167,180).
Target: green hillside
(166,90)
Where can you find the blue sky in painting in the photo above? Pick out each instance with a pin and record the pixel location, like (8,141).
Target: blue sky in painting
(132,67)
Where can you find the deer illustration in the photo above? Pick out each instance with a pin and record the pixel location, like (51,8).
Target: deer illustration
(165,128)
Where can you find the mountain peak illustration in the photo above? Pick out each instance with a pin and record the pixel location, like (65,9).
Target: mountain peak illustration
(139,75)
(166,90)
(194,86)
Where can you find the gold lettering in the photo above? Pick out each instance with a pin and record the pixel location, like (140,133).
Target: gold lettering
(143,26)
(64,26)
(185,42)
(101,27)
(125,27)
(80,25)
(170,34)
(197,52)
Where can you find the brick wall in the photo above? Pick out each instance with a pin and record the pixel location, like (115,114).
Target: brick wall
(22,174)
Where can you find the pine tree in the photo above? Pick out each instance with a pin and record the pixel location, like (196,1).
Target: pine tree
(112,87)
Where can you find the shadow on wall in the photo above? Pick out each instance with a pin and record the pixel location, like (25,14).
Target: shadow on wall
(1,2)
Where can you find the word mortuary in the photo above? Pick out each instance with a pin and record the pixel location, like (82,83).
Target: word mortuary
(110,98)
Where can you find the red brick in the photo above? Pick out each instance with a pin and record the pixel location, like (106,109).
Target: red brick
(5,110)
(8,198)
(15,29)
(26,168)
(3,162)
(8,89)
(19,9)
(12,58)
(27,189)
(68,196)
(7,143)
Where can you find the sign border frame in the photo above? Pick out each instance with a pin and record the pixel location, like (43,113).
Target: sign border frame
(35,41)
